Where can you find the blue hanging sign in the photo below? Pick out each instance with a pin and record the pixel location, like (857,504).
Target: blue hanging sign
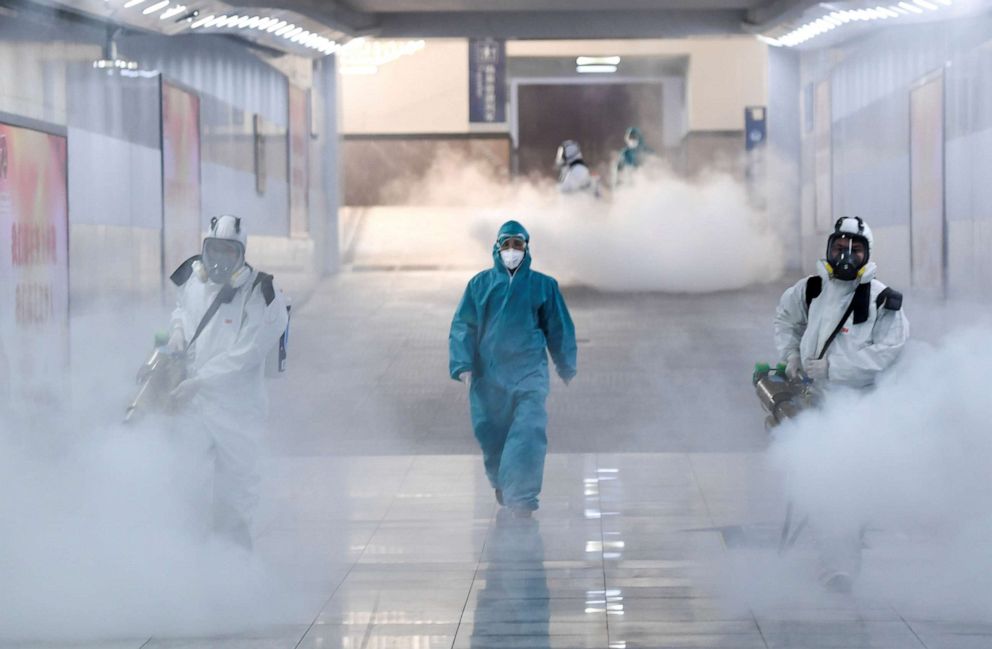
(487,81)
(755,129)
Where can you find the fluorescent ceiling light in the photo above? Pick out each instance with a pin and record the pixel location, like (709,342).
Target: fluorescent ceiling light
(281,28)
(169,13)
(595,69)
(132,3)
(158,6)
(597,60)
(841,17)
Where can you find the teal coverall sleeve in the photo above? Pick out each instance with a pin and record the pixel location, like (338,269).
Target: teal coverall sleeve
(559,331)
(464,335)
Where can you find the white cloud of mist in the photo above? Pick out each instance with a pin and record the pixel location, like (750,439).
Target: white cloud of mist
(910,460)
(105,534)
(663,232)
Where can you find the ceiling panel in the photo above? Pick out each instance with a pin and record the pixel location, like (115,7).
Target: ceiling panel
(402,6)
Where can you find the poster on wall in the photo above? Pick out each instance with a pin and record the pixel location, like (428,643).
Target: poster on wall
(181,220)
(299,162)
(34,260)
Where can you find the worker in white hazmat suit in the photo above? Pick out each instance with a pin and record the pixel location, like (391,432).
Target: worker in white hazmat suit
(573,174)
(224,396)
(841,327)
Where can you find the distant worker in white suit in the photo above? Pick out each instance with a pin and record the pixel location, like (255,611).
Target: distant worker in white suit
(573,173)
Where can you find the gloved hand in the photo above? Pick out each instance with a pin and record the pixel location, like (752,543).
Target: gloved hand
(466,378)
(185,390)
(177,340)
(818,370)
(793,367)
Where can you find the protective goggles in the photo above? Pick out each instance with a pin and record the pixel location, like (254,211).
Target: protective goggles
(512,243)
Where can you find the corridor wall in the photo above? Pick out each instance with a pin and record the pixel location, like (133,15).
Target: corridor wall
(870,82)
(115,149)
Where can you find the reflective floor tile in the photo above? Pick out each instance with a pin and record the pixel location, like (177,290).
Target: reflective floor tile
(376,636)
(274,638)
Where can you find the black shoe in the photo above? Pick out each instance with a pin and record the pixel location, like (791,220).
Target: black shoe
(499,496)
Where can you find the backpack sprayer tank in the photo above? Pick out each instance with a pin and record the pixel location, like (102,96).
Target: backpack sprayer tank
(781,397)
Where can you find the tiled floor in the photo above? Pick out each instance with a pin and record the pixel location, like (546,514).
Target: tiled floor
(658,521)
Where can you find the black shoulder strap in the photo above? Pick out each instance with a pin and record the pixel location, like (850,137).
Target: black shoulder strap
(181,274)
(814,285)
(265,281)
(862,303)
(890,298)
(224,295)
(859,296)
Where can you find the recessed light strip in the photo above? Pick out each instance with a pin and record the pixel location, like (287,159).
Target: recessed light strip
(841,17)
(273,26)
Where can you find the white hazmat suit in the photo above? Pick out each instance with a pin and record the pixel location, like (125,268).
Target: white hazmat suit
(573,174)
(841,332)
(867,343)
(226,387)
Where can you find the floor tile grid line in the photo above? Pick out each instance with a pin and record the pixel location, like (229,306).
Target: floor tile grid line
(371,625)
(723,540)
(358,559)
(475,575)
(602,545)
(913,631)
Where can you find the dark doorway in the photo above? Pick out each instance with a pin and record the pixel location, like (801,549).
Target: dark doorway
(596,115)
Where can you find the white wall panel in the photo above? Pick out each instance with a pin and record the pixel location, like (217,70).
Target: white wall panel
(871,79)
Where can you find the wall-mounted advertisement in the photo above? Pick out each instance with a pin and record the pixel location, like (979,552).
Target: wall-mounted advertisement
(181,221)
(34,260)
(299,162)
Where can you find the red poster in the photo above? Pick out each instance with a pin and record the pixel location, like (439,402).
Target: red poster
(181,222)
(34,256)
(299,162)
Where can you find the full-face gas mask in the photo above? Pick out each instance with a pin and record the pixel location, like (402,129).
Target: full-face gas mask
(224,249)
(848,248)
(568,152)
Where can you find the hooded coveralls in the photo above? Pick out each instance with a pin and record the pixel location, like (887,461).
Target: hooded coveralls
(228,363)
(866,344)
(863,348)
(500,333)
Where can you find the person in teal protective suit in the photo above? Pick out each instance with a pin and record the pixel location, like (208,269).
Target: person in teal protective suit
(634,154)
(506,323)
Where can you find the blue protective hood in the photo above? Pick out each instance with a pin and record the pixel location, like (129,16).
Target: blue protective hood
(507,230)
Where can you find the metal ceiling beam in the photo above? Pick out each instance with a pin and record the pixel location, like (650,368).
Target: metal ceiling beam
(775,12)
(333,14)
(559,24)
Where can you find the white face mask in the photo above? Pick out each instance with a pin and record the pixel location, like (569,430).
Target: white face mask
(511,258)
